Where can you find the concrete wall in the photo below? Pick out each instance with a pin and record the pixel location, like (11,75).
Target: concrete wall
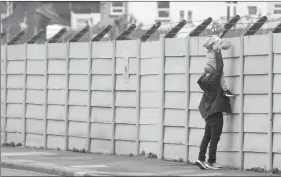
(126,97)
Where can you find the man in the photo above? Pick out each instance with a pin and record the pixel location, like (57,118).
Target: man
(211,107)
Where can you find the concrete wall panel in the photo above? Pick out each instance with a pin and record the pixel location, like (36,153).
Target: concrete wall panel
(253,46)
(277,83)
(175,65)
(79,50)
(149,147)
(277,123)
(197,64)
(125,147)
(122,84)
(15,67)
(149,116)
(100,146)
(233,83)
(150,49)
(256,123)
(102,49)
(196,120)
(56,81)
(120,65)
(55,112)
(54,142)
(15,96)
(193,153)
(102,115)
(195,99)
(150,66)
(149,99)
(35,96)
(35,126)
(13,137)
(276,39)
(56,96)
(78,66)
(252,160)
(78,82)
(101,82)
(126,115)
(256,84)
(56,67)
(78,97)
(36,51)
(35,111)
(100,98)
(174,151)
(20,54)
(78,113)
(13,110)
(277,160)
(195,136)
(175,100)
(102,66)
(35,82)
(126,99)
(14,81)
(231,123)
(77,129)
(148,133)
(228,158)
(256,65)
(252,142)
(150,83)
(33,140)
(229,142)
(77,142)
(175,82)
(35,66)
(277,63)
(175,135)
(196,45)
(55,127)
(125,132)
(194,87)
(3,52)
(276,103)
(251,106)
(57,50)
(231,67)
(13,125)
(174,117)
(126,48)
(175,46)
(276,142)
(101,130)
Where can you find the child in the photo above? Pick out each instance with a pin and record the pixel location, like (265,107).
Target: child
(214,44)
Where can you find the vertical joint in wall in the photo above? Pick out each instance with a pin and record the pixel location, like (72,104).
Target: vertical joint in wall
(187,96)
(66,95)
(89,98)
(162,97)
(270,95)
(46,96)
(5,94)
(24,97)
(113,98)
(138,96)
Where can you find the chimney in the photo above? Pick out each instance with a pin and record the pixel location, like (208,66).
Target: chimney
(181,15)
(189,16)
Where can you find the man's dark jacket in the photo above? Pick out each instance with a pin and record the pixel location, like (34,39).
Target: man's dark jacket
(213,100)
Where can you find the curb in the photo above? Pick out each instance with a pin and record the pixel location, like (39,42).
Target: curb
(62,172)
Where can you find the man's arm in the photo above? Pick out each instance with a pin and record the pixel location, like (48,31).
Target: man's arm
(216,76)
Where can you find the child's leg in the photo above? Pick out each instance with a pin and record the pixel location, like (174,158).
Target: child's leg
(223,83)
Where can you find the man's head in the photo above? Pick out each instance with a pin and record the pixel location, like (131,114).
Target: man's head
(217,27)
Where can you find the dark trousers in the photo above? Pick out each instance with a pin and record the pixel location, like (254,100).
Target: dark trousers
(213,130)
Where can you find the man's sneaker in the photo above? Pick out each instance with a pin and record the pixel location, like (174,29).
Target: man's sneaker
(228,93)
(213,166)
(201,164)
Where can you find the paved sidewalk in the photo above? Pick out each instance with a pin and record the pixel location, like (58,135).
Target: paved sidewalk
(64,163)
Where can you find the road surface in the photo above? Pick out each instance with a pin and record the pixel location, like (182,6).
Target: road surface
(12,172)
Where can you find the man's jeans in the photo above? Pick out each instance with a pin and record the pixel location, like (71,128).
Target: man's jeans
(213,130)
